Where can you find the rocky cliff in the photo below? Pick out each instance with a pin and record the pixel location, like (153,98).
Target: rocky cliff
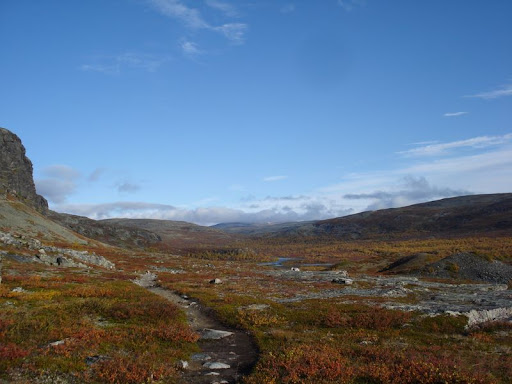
(16,172)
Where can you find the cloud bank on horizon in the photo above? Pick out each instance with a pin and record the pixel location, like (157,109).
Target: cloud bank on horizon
(458,173)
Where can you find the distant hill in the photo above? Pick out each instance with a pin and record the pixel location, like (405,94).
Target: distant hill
(177,234)
(457,216)
(113,234)
(260,228)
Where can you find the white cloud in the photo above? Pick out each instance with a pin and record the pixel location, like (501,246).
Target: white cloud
(442,148)
(54,190)
(59,182)
(193,19)
(190,48)
(504,90)
(233,31)
(274,178)
(412,190)
(475,167)
(226,8)
(487,172)
(178,10)
(454,114)
(204,216)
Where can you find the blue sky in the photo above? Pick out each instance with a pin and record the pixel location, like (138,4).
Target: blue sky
(219,110)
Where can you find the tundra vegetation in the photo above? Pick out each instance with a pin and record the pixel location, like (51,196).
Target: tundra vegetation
(95,325)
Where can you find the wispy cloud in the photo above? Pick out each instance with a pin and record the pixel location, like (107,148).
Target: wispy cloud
(127,187)
(226,8)
(113,65)
(192,18)
(487,172)
(96,174)
(349,5)
(190,48)
(233,31)
(111,69)
(504,90)
(442,148)
(176,9)
(274,178)
(413,190)
(454,114)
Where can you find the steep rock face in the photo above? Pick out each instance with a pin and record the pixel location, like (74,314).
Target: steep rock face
(16,172)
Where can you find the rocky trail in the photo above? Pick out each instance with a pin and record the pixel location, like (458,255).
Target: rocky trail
(225,355)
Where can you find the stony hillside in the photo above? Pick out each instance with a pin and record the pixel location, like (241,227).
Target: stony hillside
(114,234)
(177,234)
(16,217)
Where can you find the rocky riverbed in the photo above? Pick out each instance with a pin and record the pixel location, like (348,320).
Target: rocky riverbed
(483,301)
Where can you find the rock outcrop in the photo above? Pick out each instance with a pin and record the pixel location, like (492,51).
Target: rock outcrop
(16,172)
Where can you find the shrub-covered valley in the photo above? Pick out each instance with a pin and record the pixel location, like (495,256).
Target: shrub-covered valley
(420,294)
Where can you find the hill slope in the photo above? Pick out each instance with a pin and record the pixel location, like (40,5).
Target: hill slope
(177,234)
(18,217)
(458,216)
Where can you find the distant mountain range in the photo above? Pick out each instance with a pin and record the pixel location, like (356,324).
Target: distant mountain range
(22,209)
(457,216)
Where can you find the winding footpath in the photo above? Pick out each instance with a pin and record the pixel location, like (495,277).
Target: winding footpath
(226,354)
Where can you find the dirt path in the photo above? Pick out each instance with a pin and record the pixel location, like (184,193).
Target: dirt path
(230,347)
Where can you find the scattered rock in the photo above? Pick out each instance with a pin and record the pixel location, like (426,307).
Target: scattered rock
(479,317)
(147,280)
(256,307)
(168,270)
(90,360)
(216,365)
(343,280)
(214,334)
(295,269)
(398,291)
(58,342)
(201,357)
(183,365)
(471,267)
(216,281)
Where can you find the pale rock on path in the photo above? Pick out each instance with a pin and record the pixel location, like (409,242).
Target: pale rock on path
(226,354)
